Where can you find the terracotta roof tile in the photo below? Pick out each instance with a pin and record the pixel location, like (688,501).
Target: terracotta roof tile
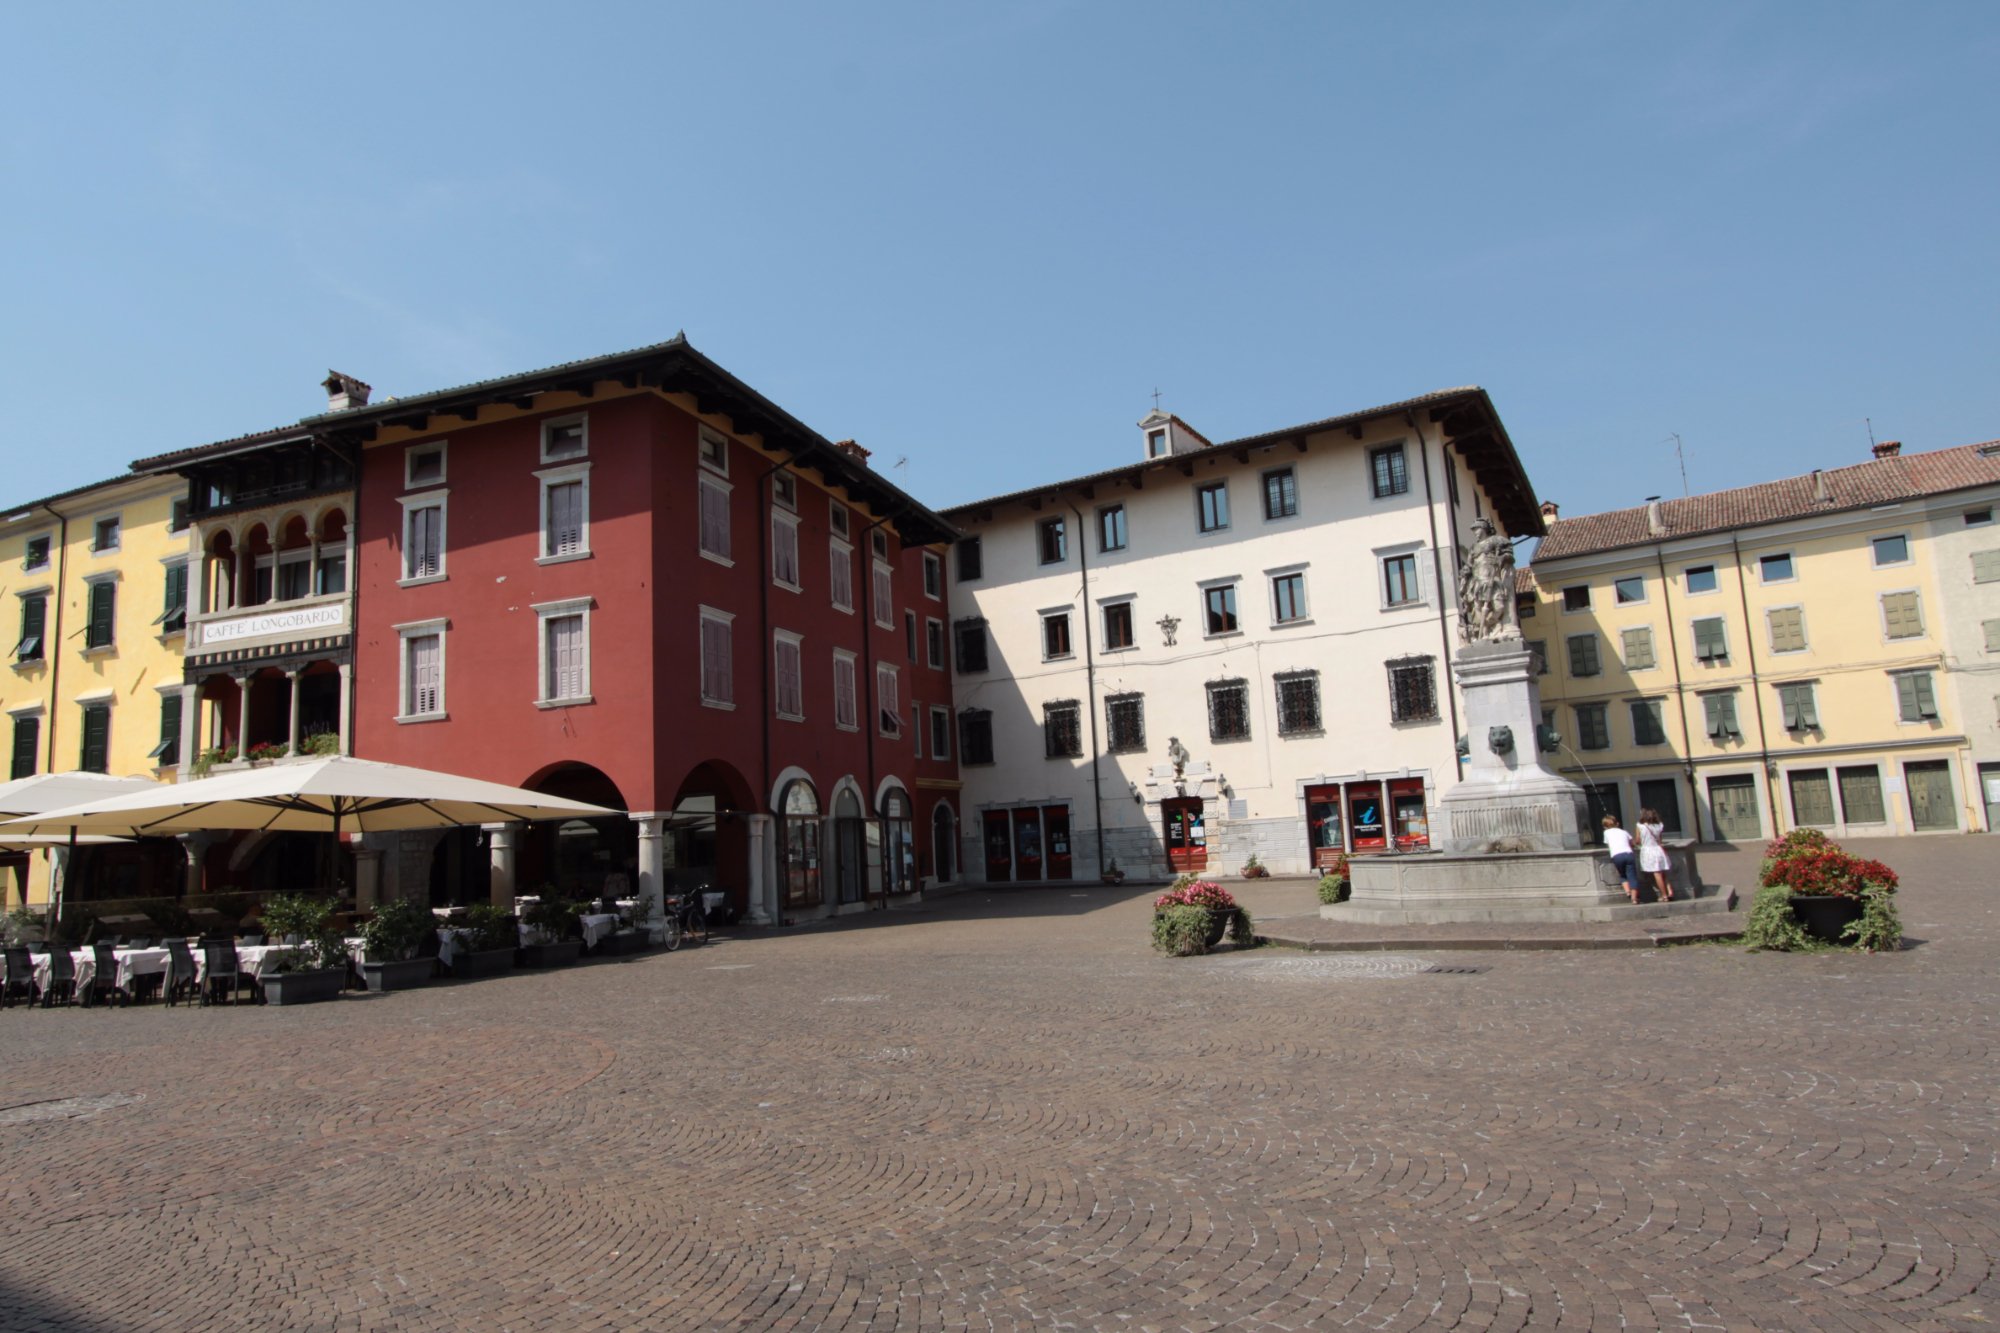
(1878,481)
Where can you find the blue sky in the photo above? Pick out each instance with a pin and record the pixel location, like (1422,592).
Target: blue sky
(977,238)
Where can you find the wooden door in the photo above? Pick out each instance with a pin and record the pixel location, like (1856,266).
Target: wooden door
(1734,801)
(1931,806)
(1186,834)
(999,847)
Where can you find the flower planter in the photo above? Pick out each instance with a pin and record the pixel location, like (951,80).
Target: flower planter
(482,963)
(623,941)
(549,955)
(401,974)
(1218,922)
(304,987)
(1825,915)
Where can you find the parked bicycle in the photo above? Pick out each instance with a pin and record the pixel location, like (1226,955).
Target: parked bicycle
(685,919)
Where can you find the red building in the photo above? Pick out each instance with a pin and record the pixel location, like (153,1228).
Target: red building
(636,581)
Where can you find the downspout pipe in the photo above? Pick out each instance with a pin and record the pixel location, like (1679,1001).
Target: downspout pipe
(1090,689)
(1756,692)
(1437,574)
(1680,689)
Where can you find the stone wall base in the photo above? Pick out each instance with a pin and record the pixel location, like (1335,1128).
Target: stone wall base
(1522,887)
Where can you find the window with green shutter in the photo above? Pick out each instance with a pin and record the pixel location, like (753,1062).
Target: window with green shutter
(173,613)
(1795,702)
(1710,643)
(1986,566)
(1861,794)
(1901,616)
(1719,716)
(1639,649)
(1915,699)
(168,751)
(103,615)
(96,738)
(34,628)
(27,745)
(1583,659)
(1812,798)
(1648,724)
(1788,629)
(1538,655)
(1992,628)
(1593,727)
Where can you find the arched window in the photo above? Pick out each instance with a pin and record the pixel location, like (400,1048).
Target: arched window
(899,842)
(798,814)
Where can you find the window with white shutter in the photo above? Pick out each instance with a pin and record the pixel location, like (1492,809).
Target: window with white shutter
(717,685)
(885,596)
(423,541)
(791,694)
(1902,617)
(423,675)
(785,550)
(1992,629)
(1986,566)
(846,713)
(565,517)
(1916,701)
(714,520)
(1788,629)
(1638,648)
(887,701)
(565,651)
(840,557)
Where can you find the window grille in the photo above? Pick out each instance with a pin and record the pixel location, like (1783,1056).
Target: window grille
(1298,703)
(1229,710)
(1125,723)
(975,736)
(1062,730)
(971,636)
(1413,690)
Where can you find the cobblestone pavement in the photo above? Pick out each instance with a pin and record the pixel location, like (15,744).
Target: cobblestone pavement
(1002,1110)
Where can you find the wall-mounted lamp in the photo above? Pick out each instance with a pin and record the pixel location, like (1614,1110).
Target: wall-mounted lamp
(1137,795)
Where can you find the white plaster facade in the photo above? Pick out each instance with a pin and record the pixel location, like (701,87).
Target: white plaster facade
(1965,541)
(1336,629)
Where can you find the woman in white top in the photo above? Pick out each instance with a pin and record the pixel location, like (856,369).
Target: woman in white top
(1619,843)
(1652,855)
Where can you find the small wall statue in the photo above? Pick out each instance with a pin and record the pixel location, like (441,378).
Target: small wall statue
(1486,587)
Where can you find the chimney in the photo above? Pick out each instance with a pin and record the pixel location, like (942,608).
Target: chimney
(1888,448)
(343,391)
(1821,495)
(1656,523)
(853,451)
(1551,511)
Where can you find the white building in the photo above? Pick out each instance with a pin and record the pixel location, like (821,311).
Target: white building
(1966,554)
(1224,649)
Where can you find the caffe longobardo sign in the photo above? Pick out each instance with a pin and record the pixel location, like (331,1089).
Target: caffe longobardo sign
(294,620)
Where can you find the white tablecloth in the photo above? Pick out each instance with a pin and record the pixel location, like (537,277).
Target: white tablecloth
(596,926)
(132,964)
(452,941)
(256,959)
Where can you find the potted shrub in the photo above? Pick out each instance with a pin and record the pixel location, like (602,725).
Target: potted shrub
(489,944)
(1809,890)
(265,751)
(321,743)
(1174,919)
(390,941)
(552,930)
(315,967)
(1334,883)
(1112,874)
(1255,869)
(630,937)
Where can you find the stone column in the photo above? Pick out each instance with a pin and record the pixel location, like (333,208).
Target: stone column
(190,726)
(292,735)
(367,878)
(193,845)
(652,883)
(242,717)
(347,710)
(762,901)
(501,851)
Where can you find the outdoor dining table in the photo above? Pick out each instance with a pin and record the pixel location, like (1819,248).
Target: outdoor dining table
(451,941)
(595,926)
(132,964)
(259,960)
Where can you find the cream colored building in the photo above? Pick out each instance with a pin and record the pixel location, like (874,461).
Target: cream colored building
(96,579)
(1783,655)
(1222,650)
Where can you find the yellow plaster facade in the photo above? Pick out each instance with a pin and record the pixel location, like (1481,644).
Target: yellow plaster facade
(1746,683)
(93,677)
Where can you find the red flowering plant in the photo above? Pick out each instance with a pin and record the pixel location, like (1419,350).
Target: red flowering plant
(1197,893)
(1807,861)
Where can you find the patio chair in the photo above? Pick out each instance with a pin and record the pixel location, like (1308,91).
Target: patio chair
(62,977)
(20,976)
(103,977)
(179,978)
(223,971)
(253,938)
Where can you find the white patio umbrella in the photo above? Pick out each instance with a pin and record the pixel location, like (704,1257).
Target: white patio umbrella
(52,791)
(334,794)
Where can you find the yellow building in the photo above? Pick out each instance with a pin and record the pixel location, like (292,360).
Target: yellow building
(1760,659)
(97,581)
